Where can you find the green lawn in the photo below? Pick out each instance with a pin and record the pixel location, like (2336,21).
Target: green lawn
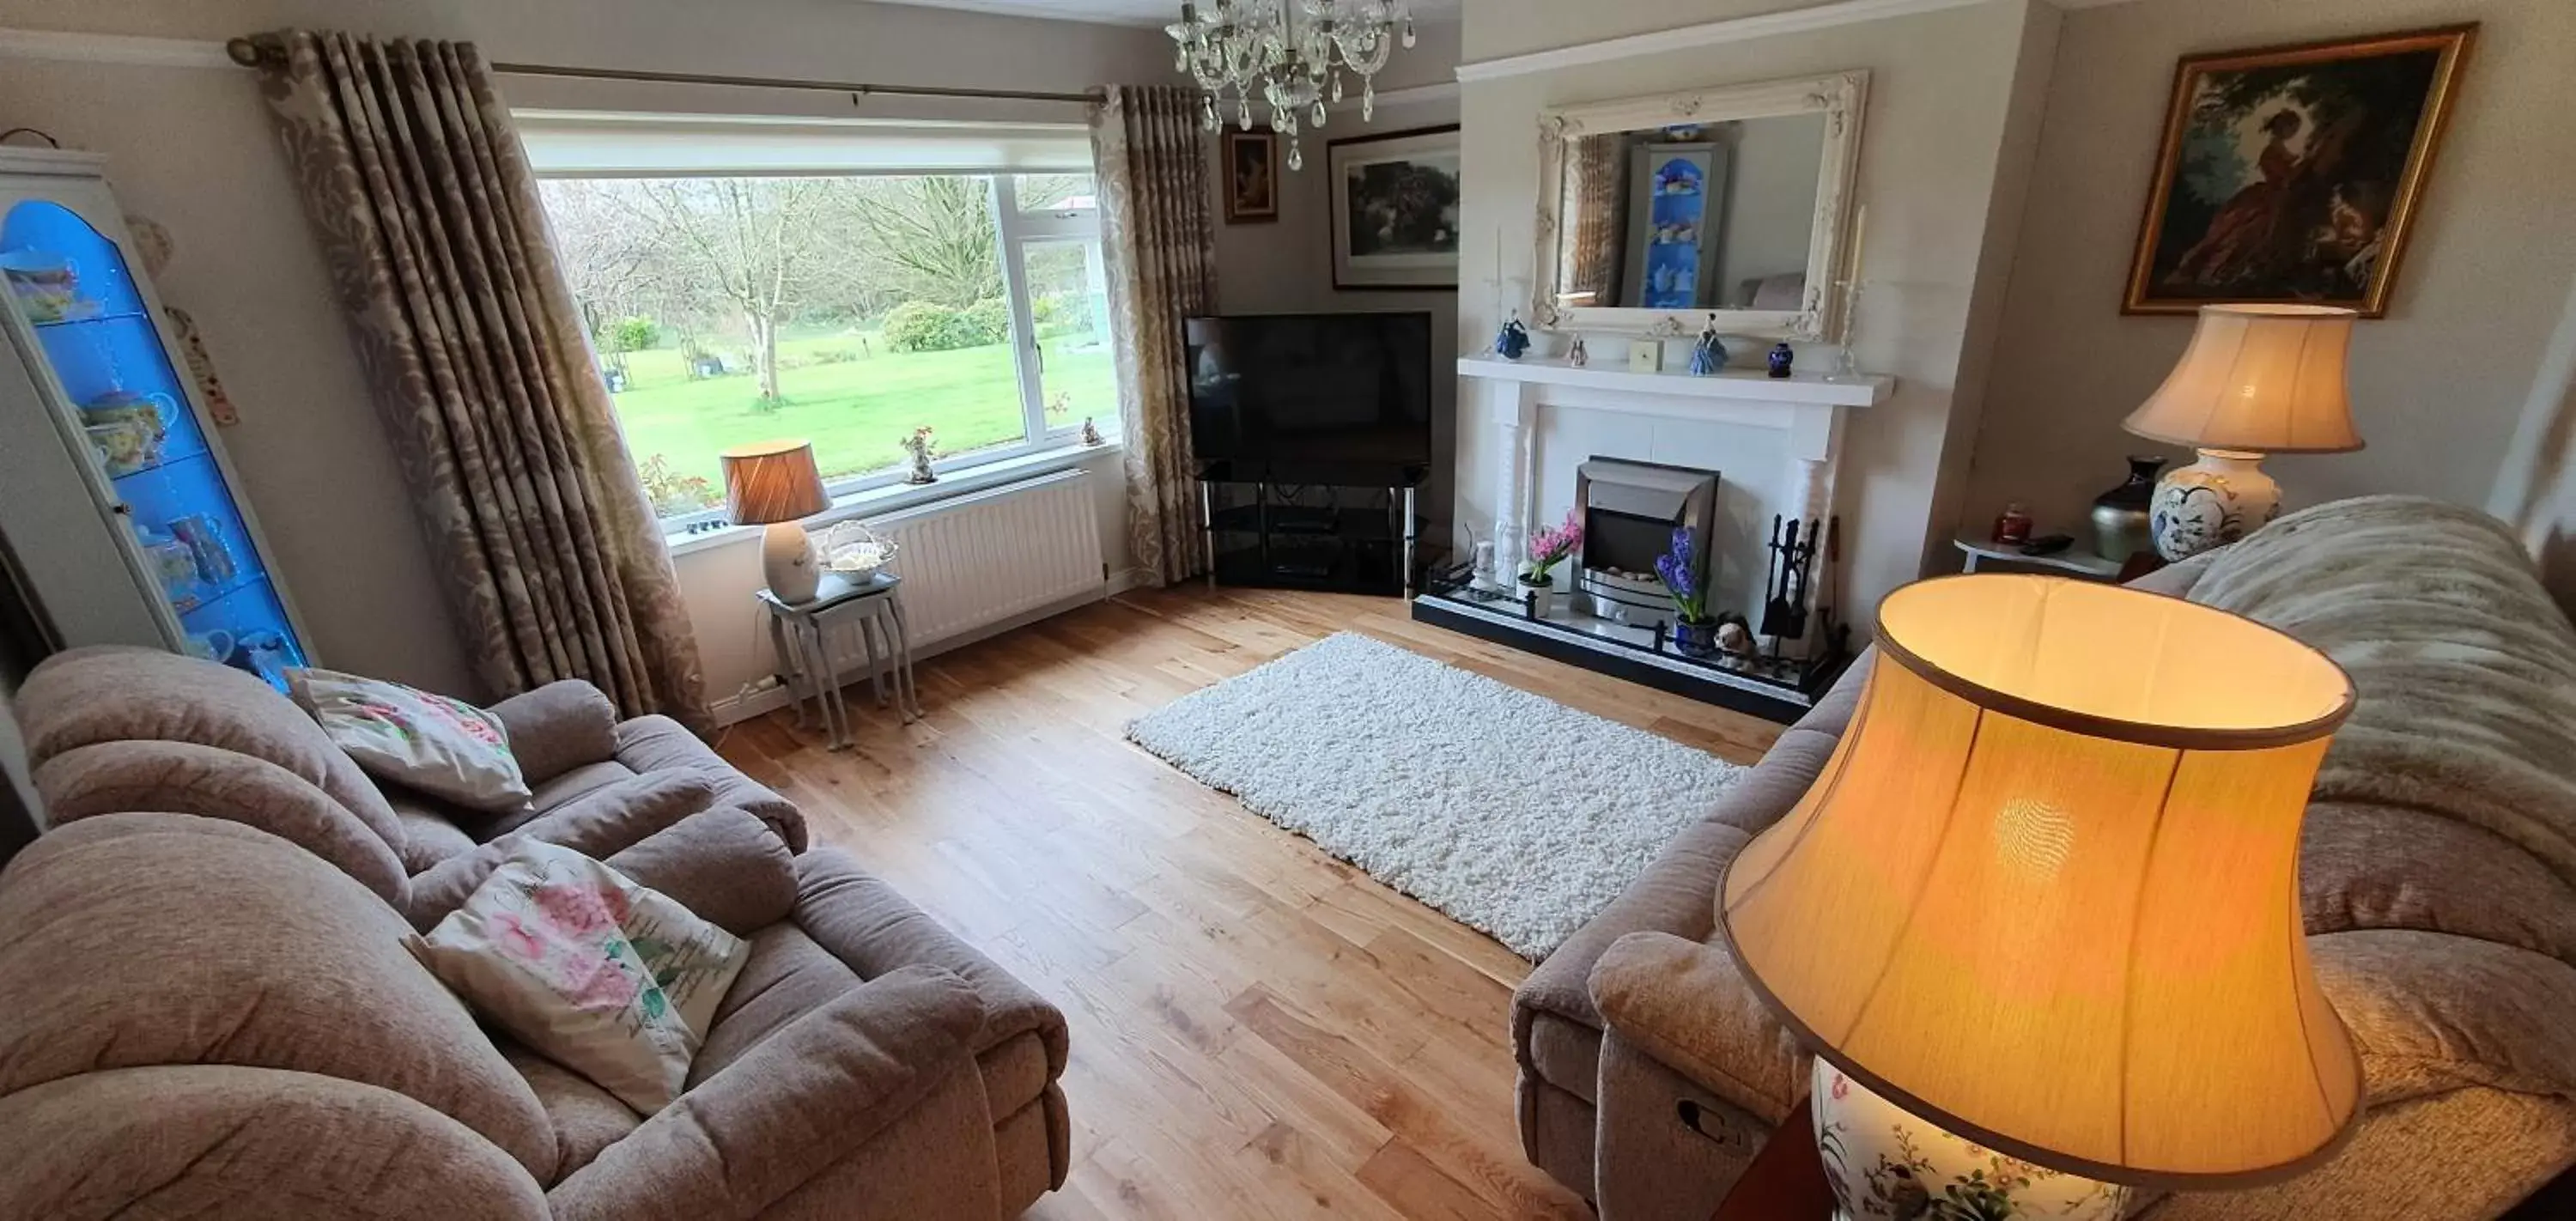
(855,411)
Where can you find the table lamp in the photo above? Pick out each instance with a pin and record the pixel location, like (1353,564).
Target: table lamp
(2039,916)
(775,484)
(2256,380)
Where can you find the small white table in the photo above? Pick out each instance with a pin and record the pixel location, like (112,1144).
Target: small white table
(796,630)
(2080,563)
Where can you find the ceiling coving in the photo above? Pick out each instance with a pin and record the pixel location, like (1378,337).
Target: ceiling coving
(1292,53)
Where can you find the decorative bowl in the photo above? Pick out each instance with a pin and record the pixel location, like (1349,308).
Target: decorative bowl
(856,552)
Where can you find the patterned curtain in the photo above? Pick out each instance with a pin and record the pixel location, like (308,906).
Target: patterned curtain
(1596,198)
(423,202)
(1161,250)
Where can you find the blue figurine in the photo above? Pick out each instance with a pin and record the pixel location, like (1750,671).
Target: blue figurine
(1512,340)
(1708,355)
(1780,358)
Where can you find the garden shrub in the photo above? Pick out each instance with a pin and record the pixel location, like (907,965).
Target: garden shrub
(920,326)
(987,321)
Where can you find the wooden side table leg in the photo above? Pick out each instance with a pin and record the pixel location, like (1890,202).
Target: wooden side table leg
(791,665)
(836,715)
(907,690)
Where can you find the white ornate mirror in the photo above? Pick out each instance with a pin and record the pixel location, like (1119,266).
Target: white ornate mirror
(1655,212)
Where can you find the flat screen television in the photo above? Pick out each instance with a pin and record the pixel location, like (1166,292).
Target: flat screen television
(1283,390)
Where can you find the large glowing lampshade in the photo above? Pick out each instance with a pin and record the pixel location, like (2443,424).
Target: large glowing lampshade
(2045,893)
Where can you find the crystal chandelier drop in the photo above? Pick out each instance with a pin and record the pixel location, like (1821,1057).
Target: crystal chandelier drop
(1292,53)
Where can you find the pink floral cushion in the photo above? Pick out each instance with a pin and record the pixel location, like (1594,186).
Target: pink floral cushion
(443,747)
(609,979)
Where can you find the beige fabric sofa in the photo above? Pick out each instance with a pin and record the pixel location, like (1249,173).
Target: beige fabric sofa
(206,1009)
(113,729)
(2438,872)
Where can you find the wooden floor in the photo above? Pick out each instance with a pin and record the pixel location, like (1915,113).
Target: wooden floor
(1258,1029)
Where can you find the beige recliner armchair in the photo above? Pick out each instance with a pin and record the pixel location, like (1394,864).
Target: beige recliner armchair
(2438,871)
(203,1019)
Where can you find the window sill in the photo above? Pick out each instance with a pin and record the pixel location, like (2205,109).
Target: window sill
(893,497)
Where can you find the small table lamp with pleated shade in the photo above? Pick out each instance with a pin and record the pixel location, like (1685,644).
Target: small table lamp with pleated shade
(776,484)
(2256,380)
(2039,917)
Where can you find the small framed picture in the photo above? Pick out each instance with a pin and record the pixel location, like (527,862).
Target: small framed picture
(1395,209)
(1251,177)
(2293,174)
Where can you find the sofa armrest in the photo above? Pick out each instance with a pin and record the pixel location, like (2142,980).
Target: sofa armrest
(724,865)
(820,1088)
(558,727)
(596,824)
(651,744)
(1688,1005)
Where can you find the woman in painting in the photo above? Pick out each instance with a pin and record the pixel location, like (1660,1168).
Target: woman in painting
(2242,233)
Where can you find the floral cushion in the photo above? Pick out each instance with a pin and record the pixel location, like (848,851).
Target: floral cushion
(609,979)
(440,746)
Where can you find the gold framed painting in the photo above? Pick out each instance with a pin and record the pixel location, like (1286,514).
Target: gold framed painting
(1251,177)
(2293,174)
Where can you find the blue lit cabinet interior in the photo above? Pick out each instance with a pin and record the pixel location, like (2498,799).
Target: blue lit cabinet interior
(97,365)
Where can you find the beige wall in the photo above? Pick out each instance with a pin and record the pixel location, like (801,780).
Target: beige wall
(193,150)
(1285,266)
(2438,386)
(1933,172)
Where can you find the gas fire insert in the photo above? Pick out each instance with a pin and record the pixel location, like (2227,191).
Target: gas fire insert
(1630,510)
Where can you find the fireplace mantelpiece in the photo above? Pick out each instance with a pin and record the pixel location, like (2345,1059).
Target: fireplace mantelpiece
(1806,411)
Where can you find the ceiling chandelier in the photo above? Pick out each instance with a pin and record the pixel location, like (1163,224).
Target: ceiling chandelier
(1291,52)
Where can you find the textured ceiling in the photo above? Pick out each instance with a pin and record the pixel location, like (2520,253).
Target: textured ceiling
(1128,12)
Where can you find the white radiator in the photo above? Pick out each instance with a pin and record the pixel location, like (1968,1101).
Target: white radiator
(986,559)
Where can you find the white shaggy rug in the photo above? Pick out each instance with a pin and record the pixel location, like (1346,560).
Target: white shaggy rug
(1512,813)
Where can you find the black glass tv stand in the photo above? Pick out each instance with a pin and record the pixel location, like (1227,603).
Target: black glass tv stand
(1347,527)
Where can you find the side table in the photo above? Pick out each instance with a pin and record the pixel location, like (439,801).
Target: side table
(797,630)
(1786,1181)
(2072,561)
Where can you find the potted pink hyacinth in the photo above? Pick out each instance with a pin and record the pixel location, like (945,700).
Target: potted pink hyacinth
(1548,547)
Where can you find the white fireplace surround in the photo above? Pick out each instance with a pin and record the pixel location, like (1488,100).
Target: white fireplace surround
(1808,410)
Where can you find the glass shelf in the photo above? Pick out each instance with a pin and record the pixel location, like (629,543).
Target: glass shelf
(122,316)
(168,460)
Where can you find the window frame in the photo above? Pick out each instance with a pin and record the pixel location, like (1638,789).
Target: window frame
(1014,230)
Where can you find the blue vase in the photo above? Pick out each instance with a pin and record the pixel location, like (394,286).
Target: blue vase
(1781,356)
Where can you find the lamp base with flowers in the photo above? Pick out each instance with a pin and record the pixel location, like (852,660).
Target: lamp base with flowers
(1884,1162)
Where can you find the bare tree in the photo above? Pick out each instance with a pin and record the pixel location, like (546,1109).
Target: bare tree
(930,237)
(753,242)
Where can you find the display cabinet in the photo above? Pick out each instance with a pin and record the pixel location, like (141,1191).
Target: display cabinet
(121,519)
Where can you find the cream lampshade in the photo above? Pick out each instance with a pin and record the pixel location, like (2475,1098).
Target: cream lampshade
(2044,898)
(2256,380)
(776,484)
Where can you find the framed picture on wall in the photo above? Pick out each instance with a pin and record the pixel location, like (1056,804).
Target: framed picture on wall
(2292,174)
(1395,209)
(1251,177)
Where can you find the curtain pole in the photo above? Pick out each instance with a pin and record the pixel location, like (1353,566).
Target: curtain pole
(262,50)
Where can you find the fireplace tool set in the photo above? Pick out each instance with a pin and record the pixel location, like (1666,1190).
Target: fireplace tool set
(1788,592)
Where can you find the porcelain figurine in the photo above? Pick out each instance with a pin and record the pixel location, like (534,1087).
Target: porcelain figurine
(1512,340)
(1577,355)
(1709,355)
(1090,432)
(1781,357)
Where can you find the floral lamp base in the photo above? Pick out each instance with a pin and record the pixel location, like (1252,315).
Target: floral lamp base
(1885,1163)
(2211,503)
